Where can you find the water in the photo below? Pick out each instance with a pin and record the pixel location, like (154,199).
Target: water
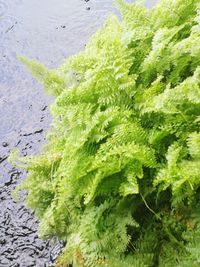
(50,31)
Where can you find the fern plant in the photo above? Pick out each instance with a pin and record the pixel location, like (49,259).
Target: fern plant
(119,180)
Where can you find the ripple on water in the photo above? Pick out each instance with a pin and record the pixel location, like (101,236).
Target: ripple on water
(3,8)
(7,120)
(13,118)
(7,24)
(49,30)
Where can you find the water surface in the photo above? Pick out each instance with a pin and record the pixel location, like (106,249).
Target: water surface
(50,31)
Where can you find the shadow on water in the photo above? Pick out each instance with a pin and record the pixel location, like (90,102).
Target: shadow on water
(50,31)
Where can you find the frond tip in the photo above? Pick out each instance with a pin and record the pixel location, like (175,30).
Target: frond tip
(52,81)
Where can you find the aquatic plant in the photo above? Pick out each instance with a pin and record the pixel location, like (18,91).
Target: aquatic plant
(119,180)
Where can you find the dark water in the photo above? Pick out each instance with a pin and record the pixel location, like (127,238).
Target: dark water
(50,31)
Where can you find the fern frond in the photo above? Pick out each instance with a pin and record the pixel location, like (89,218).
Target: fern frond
(119,179)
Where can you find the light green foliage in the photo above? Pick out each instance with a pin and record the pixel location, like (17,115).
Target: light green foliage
(119,179)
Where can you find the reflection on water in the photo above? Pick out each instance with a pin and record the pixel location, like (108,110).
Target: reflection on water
(50,31)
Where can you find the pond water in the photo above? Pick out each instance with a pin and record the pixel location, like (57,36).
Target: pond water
(50,31)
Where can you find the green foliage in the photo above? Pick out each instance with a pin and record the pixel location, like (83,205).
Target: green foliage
(119,180)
